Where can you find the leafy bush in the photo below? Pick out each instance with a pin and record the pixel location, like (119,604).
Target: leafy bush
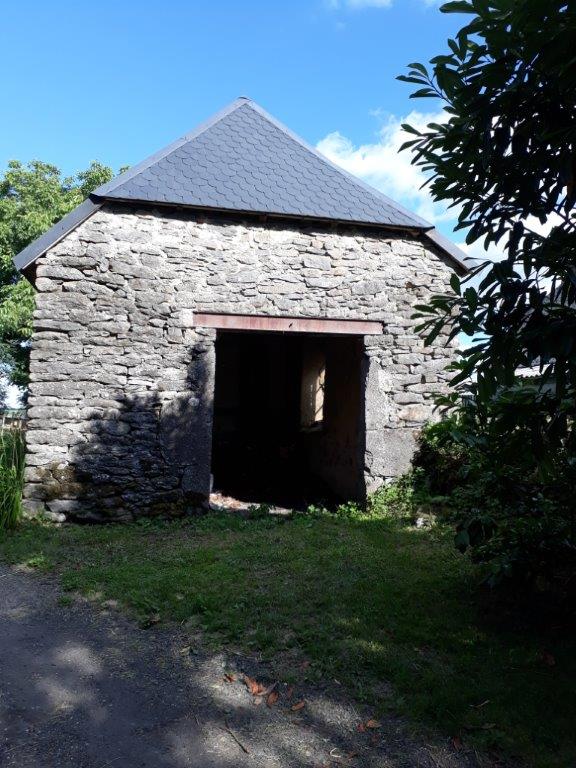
(440,458)
(12,451)
(407,497)
(510,509)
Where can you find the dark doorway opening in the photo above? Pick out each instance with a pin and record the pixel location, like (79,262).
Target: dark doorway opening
(288,418)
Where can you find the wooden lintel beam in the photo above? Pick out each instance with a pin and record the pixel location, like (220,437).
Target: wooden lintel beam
(287,324)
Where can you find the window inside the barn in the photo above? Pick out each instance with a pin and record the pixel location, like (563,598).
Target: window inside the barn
(312,389)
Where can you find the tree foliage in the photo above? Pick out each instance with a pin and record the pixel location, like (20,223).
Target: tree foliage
(506,160)
(32,198)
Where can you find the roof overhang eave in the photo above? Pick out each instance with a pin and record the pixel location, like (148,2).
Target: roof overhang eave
(450,249)
(26,258)
(265,215)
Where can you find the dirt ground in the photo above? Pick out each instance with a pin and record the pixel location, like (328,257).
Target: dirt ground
(83,686)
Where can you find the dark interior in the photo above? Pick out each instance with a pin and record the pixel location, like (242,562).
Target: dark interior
(288,418)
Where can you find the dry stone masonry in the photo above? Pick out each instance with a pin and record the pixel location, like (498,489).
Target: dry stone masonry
(120,408)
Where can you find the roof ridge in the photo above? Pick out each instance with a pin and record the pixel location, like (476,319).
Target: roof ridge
(134,170)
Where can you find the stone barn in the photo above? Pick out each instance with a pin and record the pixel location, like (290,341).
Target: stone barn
(232,313)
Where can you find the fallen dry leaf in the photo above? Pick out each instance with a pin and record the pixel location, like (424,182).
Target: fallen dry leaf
(272,698)
(258,700)
(299,706)
(253,686)
(361,728)
(230,678)
(373,723)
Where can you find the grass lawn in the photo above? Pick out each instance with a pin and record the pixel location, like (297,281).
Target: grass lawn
(368,600)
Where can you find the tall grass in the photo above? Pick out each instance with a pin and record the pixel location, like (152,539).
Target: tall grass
(12,452)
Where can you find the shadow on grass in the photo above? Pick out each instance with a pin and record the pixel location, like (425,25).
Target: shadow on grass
(90,689)
(392,612)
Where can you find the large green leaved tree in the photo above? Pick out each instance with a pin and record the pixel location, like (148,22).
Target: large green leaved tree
(505,159)
(32,198)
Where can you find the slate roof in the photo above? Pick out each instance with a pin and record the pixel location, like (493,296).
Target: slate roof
(244,160)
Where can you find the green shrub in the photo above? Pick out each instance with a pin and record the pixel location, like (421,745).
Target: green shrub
(509,510)
(12,452)
(401,498)
(439,457)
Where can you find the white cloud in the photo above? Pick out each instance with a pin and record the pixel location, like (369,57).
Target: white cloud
(544,229)
(384,167)
(356,4)
(335,5)
(368,3)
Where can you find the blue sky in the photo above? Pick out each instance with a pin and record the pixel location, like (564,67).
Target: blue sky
(115,81)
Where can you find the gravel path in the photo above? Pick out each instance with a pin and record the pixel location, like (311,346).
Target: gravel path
(85,687)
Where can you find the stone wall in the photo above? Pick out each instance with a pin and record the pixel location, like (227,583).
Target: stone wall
(121,381)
